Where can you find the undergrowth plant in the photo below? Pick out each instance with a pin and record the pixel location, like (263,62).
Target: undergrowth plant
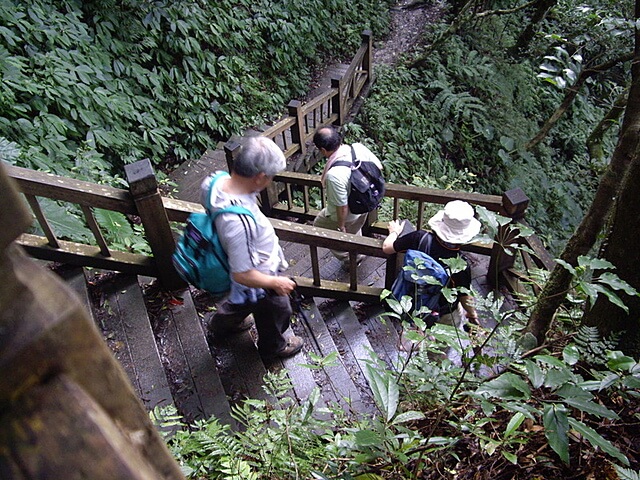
(161,80)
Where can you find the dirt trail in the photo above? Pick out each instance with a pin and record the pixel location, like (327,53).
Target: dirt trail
(407,24)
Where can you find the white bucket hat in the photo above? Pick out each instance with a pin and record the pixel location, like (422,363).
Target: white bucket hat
(456,223)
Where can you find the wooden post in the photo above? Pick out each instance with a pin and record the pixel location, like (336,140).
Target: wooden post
(297,132)
(66,406)
(144,189)
(338,102)
(231,149)
(367,61)
(514,203)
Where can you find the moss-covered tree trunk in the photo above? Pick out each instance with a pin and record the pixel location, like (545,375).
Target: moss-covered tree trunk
(554,291)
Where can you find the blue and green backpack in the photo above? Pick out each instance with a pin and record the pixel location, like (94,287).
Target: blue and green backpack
(199,257)
(422,278)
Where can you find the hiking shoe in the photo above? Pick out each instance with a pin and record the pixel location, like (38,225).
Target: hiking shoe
(293,346)
(226,328)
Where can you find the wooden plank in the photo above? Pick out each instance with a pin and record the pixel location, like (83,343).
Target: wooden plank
(352,342)
(75,278)
(199,391)
(338,378)
(87,256)
(241,367)
(97,449)
(382,333)
(70,190)
(124,300)
(203,369)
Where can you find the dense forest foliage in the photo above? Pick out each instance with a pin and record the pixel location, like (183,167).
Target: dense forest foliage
(464,113)
(88,86)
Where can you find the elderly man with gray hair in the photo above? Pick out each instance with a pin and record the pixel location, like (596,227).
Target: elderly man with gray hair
(255,255)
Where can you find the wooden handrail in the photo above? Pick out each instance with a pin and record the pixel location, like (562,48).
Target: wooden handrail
(51,352)
(92,195)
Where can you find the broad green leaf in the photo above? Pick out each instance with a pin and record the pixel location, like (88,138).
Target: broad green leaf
(507,386)
(549,360)
(557,377)
(65,224)
(407,417)
(566,265)
(571,354)
(367,438)
(593,408)
(510,457)
(556,427)
(617,283)
(385,391)
(536,375)
(571,390)
(597,440)
(595,263)
(620,362)
(526,409)
(608,380)
(514,424)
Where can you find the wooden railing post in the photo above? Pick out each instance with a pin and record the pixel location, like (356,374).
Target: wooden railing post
(367,61)
(339,101)
(514,203)
(144,190)
(297,131)
(66,404)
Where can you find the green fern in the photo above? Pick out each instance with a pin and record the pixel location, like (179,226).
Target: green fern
(592,347)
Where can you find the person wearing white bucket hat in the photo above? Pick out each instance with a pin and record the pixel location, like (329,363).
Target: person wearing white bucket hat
(452,227)
(456,223)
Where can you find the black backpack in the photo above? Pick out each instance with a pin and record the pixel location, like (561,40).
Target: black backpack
(367,184)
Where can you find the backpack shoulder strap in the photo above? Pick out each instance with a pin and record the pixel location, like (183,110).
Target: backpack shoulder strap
(425,243)
(347,163)
(237,209)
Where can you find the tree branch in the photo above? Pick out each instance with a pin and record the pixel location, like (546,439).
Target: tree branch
(571,94)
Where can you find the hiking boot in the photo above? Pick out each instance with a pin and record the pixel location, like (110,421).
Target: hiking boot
(217,328)
(293,346)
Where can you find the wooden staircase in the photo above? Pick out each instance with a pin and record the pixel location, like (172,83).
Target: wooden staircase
(159,340)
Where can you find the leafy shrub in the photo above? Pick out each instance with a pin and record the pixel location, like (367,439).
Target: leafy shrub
(161,80)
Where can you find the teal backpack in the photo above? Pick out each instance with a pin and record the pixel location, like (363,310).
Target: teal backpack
(199,257)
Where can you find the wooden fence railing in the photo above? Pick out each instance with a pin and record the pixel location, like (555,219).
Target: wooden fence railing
(156,213)
(294,132)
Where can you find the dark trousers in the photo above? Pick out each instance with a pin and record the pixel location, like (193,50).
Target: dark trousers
(271,313)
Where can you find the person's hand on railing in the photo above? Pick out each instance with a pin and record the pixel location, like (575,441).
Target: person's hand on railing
(396,226)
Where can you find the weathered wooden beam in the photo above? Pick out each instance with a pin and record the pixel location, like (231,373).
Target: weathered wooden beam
(70,190)
(87,256)
(66,405)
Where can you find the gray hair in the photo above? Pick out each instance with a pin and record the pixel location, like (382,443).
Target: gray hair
(259,155)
